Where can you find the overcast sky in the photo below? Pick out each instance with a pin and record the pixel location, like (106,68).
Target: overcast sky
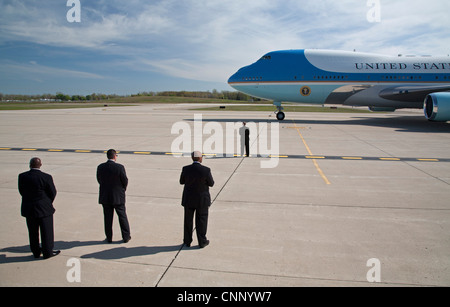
(126,47)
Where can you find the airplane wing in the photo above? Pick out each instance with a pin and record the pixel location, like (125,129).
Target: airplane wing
(411,93)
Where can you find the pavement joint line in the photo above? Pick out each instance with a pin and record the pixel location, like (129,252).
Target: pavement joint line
(305,277)
(170,265)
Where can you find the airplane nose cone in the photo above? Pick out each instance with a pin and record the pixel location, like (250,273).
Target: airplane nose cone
(240,74)
(233,79)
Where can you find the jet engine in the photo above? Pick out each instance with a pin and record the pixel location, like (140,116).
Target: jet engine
(437,107)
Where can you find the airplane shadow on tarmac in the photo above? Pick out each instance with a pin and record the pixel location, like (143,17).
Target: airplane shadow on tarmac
(400,123)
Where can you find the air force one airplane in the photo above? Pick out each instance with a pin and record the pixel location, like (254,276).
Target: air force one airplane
(383,83)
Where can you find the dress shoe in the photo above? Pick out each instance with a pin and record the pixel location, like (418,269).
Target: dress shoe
(53,254)
(204,244)
(108,240)
(126,240)
(37,256)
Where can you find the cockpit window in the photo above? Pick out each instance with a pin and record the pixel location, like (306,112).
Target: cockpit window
(266,57)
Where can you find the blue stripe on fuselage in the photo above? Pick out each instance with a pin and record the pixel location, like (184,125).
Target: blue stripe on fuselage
(293,66)
(275,67)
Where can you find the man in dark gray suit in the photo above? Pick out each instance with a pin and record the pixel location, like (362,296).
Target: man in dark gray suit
(113,183)
(196,199)
(38,193)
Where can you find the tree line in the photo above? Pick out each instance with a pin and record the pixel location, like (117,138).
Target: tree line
(56,97)
(225,95)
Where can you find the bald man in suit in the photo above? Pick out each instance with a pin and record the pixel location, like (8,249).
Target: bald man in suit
(38,193)
(196,199)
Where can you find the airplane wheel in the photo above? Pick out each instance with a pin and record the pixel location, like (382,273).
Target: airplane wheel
(281,116)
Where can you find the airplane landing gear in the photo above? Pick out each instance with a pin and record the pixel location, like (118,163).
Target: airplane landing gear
(280,114)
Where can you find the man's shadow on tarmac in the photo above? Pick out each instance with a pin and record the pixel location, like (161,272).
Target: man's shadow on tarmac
(126,252)
(115,253)
(25,249)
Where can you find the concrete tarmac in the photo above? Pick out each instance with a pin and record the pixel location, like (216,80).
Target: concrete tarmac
(310,221)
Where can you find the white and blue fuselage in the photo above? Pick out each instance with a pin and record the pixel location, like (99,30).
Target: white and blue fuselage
(349,78)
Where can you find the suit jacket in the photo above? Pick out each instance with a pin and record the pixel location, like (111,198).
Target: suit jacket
(196,179)
(38,193)
(113,183)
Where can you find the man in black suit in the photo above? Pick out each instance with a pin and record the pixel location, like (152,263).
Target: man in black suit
(196,199)
(38,193)
(113,183)
(244,132)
